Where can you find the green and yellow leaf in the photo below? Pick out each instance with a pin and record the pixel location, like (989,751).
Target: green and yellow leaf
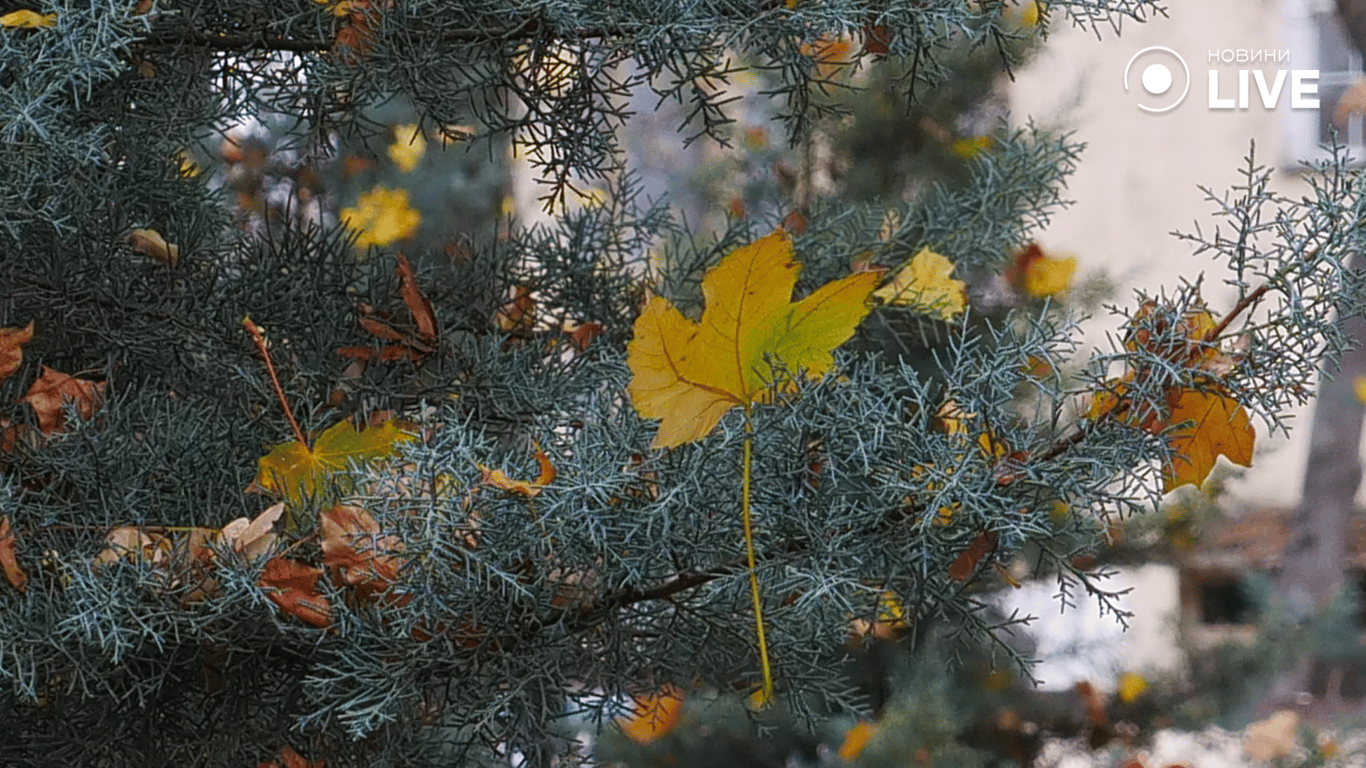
(298,472)
(690,374)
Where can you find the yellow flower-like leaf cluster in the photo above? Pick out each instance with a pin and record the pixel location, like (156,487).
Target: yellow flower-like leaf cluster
(382,216)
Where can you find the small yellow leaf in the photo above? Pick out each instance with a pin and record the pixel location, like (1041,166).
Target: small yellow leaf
(382,216)
(408,148)
(1049,275)
(690,374)
(1359,386)
(1221,428)
(1131,686)
(927,284)
(27,20)
(856,739)
(298,472)
(971,146)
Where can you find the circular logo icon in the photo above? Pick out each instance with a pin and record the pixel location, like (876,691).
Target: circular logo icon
(1160,66)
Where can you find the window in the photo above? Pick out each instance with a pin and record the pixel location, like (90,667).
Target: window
(1317,40)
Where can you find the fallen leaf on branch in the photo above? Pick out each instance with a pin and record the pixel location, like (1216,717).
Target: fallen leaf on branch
(500,479)
(254,538)
(690,374)
(26,19)
(856,739)
(408,148)
(1041,275)
(963,566)
(9,559)
(151,244)
(298,472)
(421,309)
(655,715)
(294,587)
(927,285)
(382,215)
(49,394)
(12,341)
(1221,428)
(355,551)
(127,542)
(291,759)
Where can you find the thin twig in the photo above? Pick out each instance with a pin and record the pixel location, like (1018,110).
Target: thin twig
(260,339)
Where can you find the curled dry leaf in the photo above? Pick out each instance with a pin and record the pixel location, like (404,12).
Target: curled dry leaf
(500,479)
(963,566)
(151,244)
(518,315)
(49,394)
(355,551)
(9,560)
(294,587)
(254,538)
(12,341)
(128,542)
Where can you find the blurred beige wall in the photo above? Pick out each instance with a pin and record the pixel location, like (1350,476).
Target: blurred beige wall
(1139,176)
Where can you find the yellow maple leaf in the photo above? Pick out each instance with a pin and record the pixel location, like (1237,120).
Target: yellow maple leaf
(27,20)
(408,148)
(1221,427)
(1131,686)
(689,374)
(1049,275)
(382,216)
(298,472)
(927,284)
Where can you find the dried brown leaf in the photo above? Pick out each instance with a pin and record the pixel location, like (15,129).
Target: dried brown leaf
(151,244)
(294,587)
(53,389)
(355,551)
(9,560)
(12,341)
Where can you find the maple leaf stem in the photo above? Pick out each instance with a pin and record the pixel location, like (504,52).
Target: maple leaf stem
(260,340)
(754,592)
